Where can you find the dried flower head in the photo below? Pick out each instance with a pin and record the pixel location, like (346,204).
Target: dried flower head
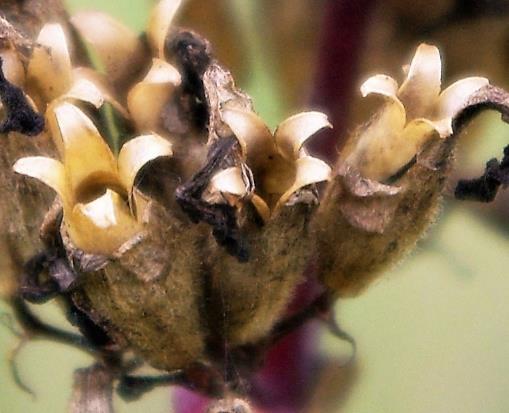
(194,237)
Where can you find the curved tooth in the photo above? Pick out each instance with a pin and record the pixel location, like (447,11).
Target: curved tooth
(50,65)
(370,152)
(292,133)
(88,81)
(136,153)
(148,97)
(380,85)
(47,170)
(86,154)
(226,186)
(103,225)
(12,67)
(160,21)
(308,170)
(454,98)
(421,88)
(252,133)
(119,48)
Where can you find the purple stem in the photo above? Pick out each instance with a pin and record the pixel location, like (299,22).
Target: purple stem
(341,43)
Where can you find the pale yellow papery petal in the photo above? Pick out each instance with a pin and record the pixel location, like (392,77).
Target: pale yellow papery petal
(454,98)
(371,151)
(12,67)
(118,47)
(85,91)
(95,80)
(47,170)
(50,65)
(380,85)
(410,143)
(292,133)
(309,170)
(161,17)
(253,135)
(148,97)
(419,91)
(103,225)
(138,152)
(87,158)
(227,185)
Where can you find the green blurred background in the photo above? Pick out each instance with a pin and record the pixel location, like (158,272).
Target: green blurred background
(432,334)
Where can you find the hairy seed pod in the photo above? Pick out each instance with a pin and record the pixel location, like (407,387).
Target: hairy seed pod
(250,297)
(363,226)
(149,296)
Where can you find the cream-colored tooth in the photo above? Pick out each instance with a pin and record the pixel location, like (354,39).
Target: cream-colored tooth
(12,67)
(380,85)
(421,88)
(87,157)
(454,98)
(292,133)
(160,20)
(50,65)
(226,186)
(370,151)
(103,225)
(148,97)
(96,84)
(85,91)
(252,133)
(308,170)
(47,170)
(119,48)
(138,152)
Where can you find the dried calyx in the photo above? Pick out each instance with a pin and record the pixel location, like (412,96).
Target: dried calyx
(193,236)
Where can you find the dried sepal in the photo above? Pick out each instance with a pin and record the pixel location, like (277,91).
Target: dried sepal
(12,67)
(96,189)
(413,114)
(103,225)
(47,170)
(280,165)
(92,87)
(87,158)
(293,132)
(119,49)
(139,151)
(148,97)
(49,69)
(161,18)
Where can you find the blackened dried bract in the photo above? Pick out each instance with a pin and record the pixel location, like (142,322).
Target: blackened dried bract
(192,55)
(496,174)
(220,217)
(48,273)
(485,188)
(20,117)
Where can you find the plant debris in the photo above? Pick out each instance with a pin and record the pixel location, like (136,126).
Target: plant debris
(20,116)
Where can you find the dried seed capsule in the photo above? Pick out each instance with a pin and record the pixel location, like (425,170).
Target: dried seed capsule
(149,295)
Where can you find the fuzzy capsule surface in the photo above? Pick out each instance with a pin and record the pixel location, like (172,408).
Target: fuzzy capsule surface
(363,227)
